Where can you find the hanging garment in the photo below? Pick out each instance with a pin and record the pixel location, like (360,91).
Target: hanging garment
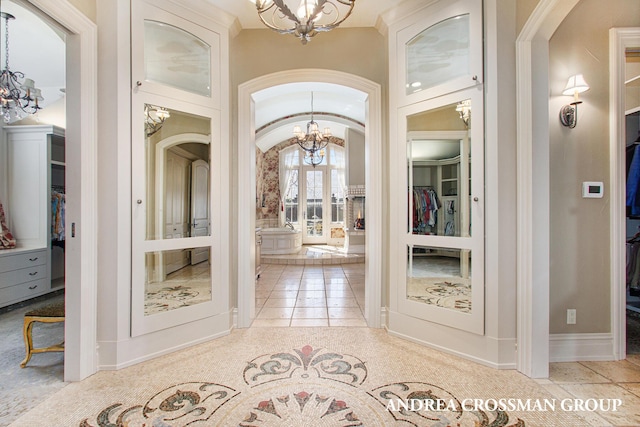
(6,238)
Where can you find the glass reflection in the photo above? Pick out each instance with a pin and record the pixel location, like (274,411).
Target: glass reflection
(440,277)
(176,279)
(438,54)
(439,171)
(176,58)
(178,176)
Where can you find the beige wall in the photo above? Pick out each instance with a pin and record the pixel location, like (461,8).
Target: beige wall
(580,239)
(88,7)
(524,8)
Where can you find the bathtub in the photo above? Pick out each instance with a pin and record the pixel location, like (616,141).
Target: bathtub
(280,241)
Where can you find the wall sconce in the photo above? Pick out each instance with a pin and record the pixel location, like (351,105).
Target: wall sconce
(569,113)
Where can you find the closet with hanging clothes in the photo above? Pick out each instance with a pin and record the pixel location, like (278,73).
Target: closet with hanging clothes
(32,177)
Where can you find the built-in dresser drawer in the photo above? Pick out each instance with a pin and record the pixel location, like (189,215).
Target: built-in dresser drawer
(22,260)
(15,277)
(23,291)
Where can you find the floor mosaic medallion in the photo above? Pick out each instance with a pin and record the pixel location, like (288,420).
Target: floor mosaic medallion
(306,386)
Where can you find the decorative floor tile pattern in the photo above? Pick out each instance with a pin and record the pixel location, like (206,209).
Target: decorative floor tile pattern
(296,377)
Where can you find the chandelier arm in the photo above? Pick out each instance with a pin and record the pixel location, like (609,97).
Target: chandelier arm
(336,22)
(284,9)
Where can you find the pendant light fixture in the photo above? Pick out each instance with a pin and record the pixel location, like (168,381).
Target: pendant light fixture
(313,142)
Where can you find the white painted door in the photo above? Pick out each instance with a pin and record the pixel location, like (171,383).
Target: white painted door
(314,199)
(177,205)
(200,218)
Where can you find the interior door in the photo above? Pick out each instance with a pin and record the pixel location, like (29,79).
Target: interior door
(313,189)
(176,199)
(200,221)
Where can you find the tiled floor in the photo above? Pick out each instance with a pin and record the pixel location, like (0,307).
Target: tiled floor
(311,295)
(581,381)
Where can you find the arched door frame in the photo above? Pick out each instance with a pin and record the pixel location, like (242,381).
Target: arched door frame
(532,83)
(247,188)
(80,356)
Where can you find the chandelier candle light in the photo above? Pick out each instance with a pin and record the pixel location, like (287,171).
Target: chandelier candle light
(18,96)
(313,142)
(311,16)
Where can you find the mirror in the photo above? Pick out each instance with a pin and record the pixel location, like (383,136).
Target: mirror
(440,276)
(439,171)
(176,279)
(178,177)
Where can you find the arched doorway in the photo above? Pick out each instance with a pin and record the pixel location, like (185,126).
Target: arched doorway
(246,184)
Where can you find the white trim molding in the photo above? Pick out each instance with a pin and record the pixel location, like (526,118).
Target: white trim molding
(373,183)
(80,359)
(619,40)
(580,347)
(532,81)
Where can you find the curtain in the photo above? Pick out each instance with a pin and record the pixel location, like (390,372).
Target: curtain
(337,159)
(289,159)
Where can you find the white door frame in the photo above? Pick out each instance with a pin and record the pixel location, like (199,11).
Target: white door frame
(532,83)
(302,203)
(247,186)
(619,39)
(80,356)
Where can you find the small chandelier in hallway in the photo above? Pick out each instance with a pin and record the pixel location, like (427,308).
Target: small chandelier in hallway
(310,17)
(313,142)
(18,96)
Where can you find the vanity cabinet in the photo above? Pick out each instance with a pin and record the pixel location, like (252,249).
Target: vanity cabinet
(31,164)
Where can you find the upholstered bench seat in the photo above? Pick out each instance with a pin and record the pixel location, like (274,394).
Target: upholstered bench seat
(51,313)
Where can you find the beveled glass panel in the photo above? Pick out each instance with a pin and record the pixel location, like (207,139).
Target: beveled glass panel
(178,174)
(438,54)
(176,58)
(439,277)
(438,143)
(176,279)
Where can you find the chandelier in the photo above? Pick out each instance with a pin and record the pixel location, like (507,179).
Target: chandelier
(464,109)
(310,18)
(313,142)
(154,118)
(18,96)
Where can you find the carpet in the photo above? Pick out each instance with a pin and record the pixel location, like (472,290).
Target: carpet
(298,377)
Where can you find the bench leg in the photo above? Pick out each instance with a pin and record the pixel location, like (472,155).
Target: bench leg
(28,340)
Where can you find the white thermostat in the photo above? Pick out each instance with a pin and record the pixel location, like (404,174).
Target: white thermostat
(592,190)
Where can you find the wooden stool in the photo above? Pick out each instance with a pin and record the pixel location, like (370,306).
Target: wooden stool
(52,313)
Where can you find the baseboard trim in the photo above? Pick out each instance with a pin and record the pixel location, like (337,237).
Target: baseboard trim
(581,347)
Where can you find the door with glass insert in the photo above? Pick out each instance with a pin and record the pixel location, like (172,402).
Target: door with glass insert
(314,200)
(178,255)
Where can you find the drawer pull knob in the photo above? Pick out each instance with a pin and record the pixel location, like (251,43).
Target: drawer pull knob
(33,274)
(33,287)
(33,259)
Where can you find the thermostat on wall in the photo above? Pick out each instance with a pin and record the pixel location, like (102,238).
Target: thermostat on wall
(592,190)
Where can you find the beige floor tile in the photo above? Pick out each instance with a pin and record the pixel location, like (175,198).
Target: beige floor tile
(632,387)
(306,293)
(310,322)
(310,313)
(280,302)
(634,358)
(288,281)
(268,323)
(348,323)
(342,302)
(260,302)
(312,286)
(262,293)
(311,302)
(286,287)
(275,313)
(626,415)
(284,294)
(307,281)
(337,286)
(620,371)
(574,372)
(339,293)
(345,313)
(331,280)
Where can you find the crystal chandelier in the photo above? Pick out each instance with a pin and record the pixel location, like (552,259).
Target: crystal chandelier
(464,109)
(18,96)
(310,18)
(154,118)
(313,142)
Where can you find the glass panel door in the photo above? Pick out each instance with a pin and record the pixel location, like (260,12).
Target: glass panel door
(444,260)
(314,189)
